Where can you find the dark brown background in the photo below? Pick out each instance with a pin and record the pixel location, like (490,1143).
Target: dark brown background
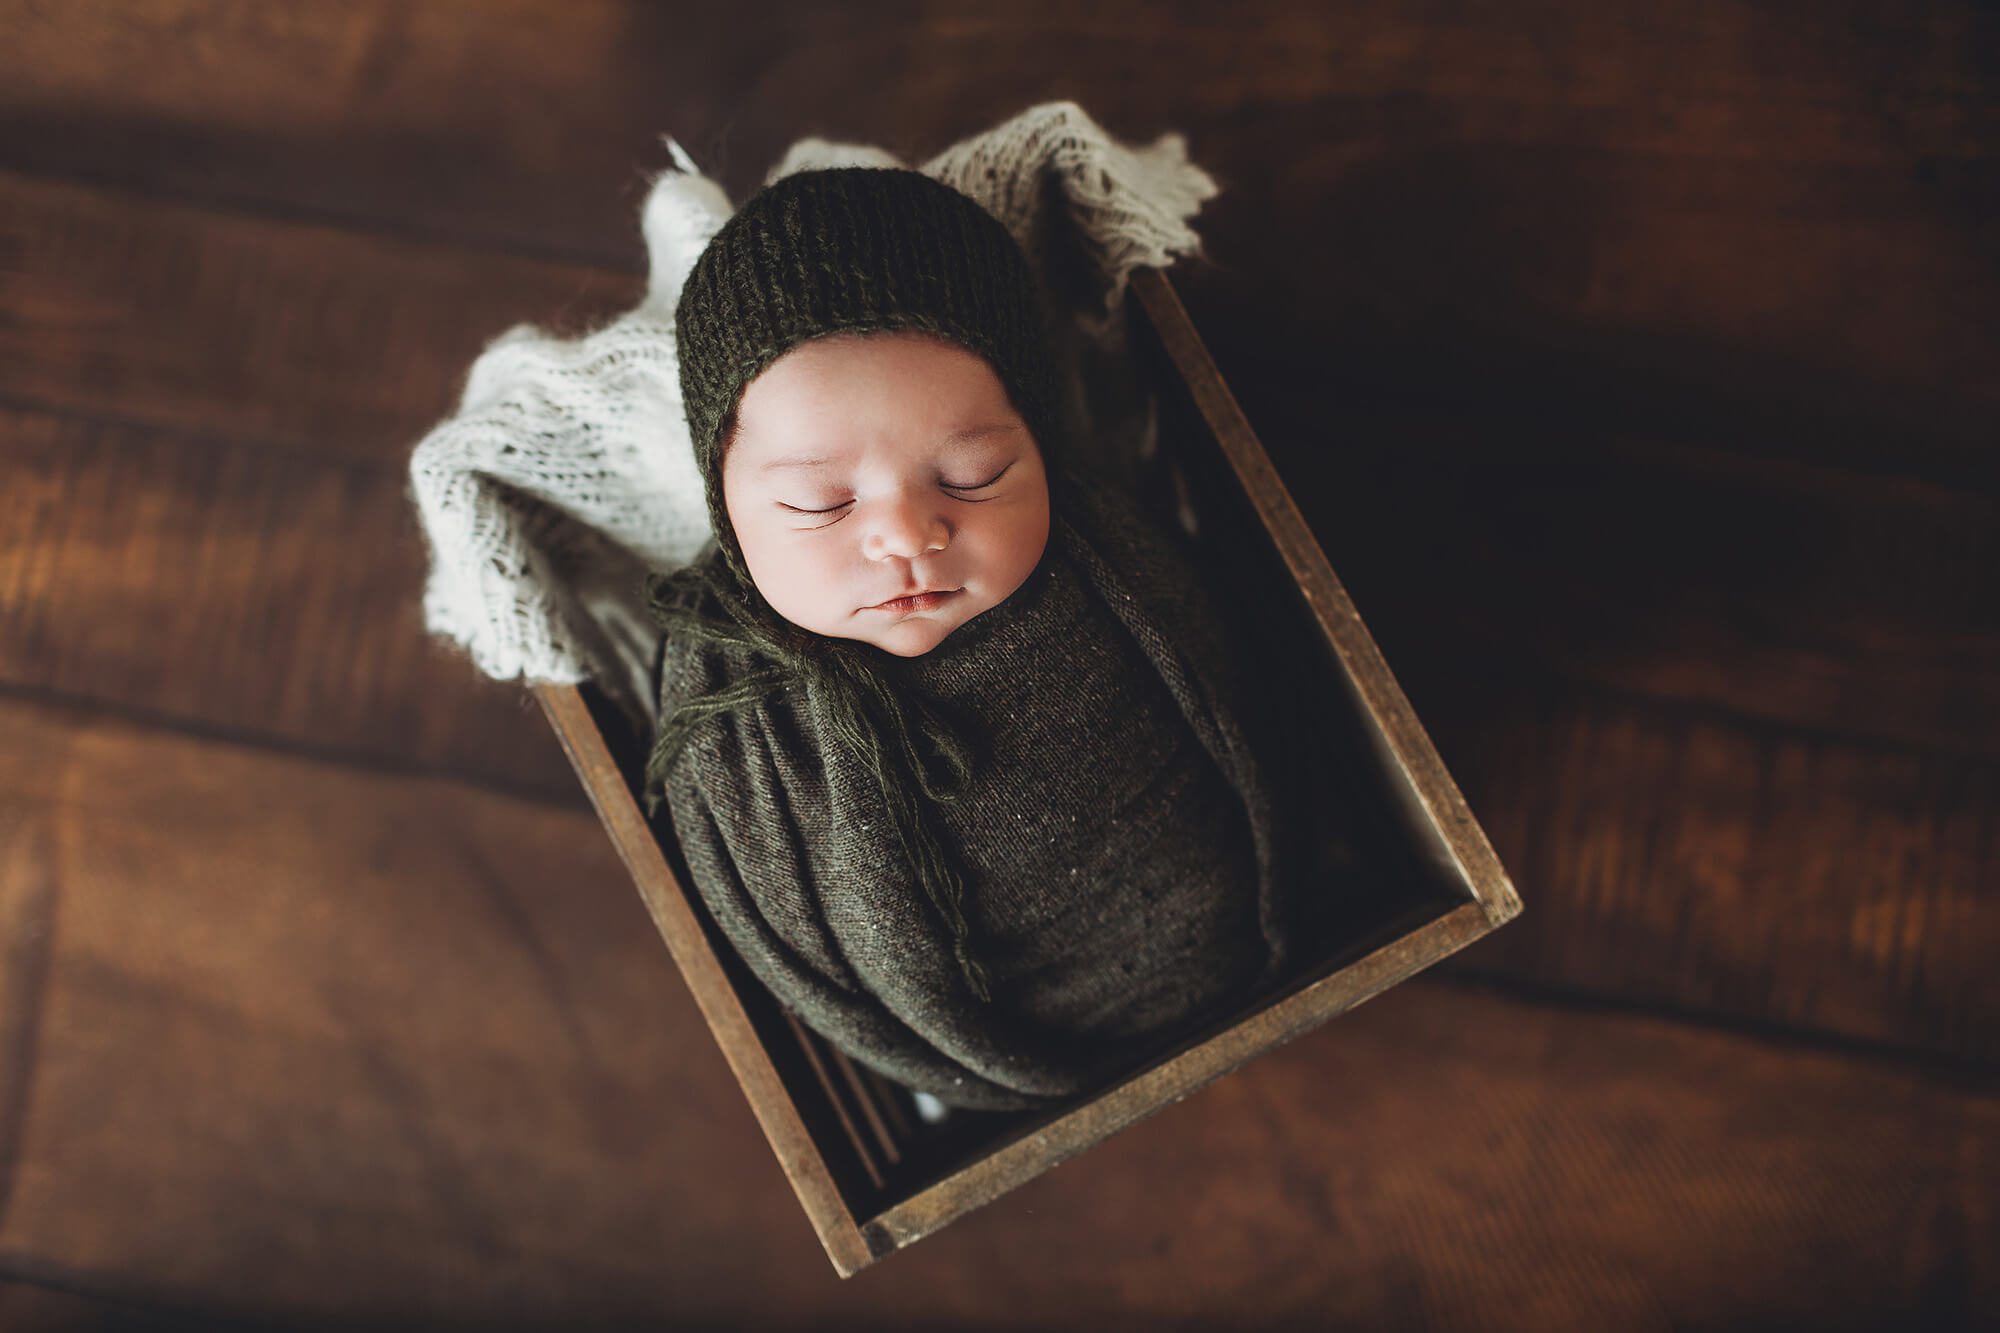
(1638,366)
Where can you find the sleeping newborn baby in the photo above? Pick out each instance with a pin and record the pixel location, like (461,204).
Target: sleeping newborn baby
(950,736)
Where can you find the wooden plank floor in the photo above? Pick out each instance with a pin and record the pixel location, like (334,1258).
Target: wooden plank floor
(1638,369)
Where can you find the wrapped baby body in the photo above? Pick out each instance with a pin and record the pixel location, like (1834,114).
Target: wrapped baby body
(950,737)
(1117,841)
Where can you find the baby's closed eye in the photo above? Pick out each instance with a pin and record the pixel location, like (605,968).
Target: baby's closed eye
(948,485)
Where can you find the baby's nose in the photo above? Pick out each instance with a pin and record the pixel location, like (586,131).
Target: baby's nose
(907,528)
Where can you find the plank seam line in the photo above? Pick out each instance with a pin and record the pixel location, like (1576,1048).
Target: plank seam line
(570,798)
(253,209)
(47,1275)
(1964,1072)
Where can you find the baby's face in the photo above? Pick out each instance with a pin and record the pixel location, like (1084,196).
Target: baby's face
(866,467)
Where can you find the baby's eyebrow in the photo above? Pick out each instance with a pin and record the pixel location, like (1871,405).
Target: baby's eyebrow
(964,436)
(980,432)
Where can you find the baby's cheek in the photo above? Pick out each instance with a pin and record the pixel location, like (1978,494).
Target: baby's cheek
(782,576)
(1026,536)
(1006,555)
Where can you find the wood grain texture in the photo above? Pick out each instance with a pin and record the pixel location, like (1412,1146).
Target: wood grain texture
(286,971)
(247,592)
(281,334)
(437,1067)
(40,1306)
(208,422)
(1678,858)
(466,121)
(1809,595)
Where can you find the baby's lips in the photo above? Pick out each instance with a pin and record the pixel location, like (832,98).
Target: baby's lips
(939,593)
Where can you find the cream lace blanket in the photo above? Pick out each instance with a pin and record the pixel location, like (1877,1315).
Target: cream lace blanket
(566,473)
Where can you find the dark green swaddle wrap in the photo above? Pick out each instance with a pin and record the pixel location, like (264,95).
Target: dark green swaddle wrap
(1119,843)
(1005,868)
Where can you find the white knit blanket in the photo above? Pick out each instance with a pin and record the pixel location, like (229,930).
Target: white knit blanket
(566,473)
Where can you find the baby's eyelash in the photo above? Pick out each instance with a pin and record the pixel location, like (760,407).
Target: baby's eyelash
(979,485)
(948,485)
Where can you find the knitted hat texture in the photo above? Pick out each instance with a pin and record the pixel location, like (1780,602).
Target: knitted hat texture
(860,249)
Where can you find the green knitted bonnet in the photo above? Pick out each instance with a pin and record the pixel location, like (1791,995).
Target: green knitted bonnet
(849,249)
(860,249)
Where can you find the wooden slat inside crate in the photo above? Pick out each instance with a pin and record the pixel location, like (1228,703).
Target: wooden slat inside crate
(871,1175)
(1401,738)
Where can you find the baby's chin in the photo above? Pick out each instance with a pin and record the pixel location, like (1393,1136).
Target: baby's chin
(911,638)
(912,635)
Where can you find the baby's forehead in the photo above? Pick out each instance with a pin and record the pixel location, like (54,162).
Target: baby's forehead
(882,392)
(774,456)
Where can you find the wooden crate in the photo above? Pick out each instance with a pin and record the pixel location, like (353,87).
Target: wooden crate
(1409,875)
